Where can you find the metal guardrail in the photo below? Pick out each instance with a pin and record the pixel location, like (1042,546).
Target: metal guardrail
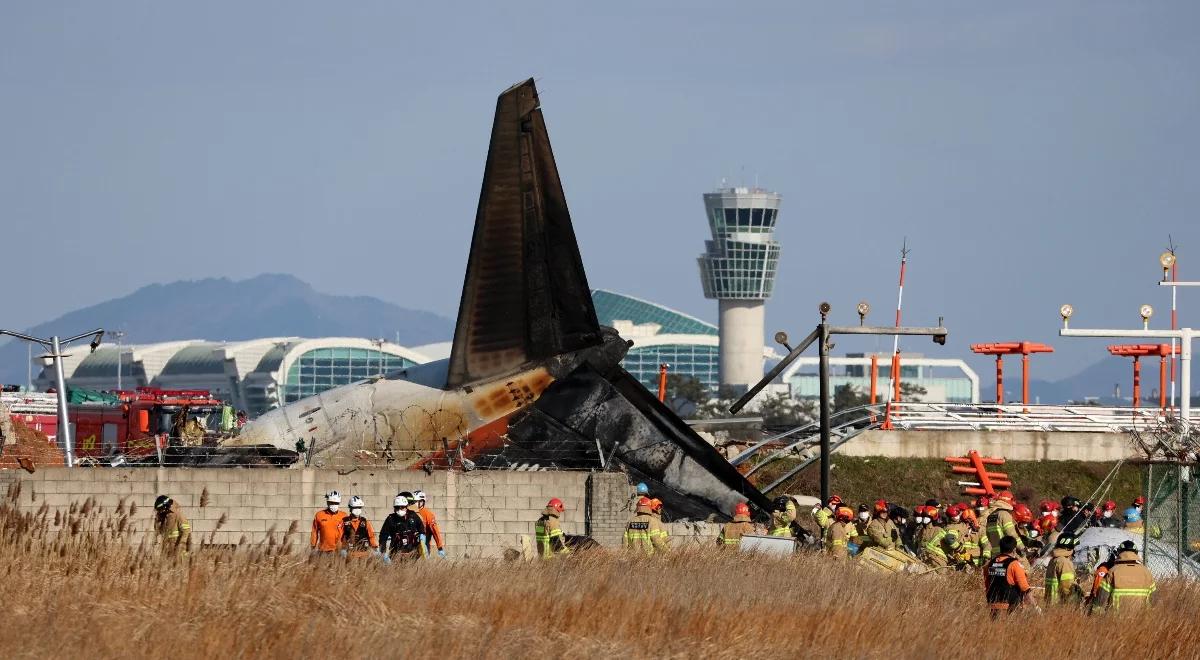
(913,416)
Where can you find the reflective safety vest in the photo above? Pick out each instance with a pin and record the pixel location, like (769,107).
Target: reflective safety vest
(1000,593)
(549,537)
(731,533)
(645,533)
(1060,578)
(1000,524)
(781,521)
(824,518)
(836,538)
(1128,583)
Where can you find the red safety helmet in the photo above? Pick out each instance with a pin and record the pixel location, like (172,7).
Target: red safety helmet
(1046,506)
(741,509)
(881,506)
(1022,514)
(1110,506)
(845,514)
(954,510)
(1005,496)
(1046,523)
(983,502)
(655,504)
(1139,501)
(556,504)
(835,500)
(643,502)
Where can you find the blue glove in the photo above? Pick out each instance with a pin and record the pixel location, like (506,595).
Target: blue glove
(386,558)
(441,553)
(853,547)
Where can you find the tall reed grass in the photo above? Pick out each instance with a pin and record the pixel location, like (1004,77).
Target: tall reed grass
(75,586)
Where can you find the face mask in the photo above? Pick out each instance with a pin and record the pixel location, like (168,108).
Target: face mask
(356,512)
(1054,513)
(399,509)
(1033,533)
(957,518)
(863,515)
(1108,514)
(333,508)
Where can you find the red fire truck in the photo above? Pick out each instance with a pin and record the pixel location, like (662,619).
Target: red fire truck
(141,420)
(37,410)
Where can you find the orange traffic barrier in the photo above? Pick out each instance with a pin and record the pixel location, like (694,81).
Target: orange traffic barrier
(976,465)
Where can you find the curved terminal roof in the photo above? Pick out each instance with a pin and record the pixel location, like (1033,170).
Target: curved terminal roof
(612,307)
(196,359)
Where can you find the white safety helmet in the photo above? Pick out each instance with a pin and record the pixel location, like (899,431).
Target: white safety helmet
(356,502)
(419,496)
(334,497)
(400,502)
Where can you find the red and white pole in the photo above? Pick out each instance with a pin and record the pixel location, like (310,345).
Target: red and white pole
(1174,324)
(894,384)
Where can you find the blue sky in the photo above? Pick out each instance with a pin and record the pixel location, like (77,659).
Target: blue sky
(1032,153)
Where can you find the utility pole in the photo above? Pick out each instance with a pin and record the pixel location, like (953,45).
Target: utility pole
(56,345)
(822,333)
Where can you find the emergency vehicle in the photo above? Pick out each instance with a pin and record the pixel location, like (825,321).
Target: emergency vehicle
(140,421)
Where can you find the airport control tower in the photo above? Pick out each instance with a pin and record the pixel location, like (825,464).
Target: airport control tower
(738,269)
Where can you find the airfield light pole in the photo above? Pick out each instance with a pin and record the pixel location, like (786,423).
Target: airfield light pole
(1170,266)
(118,335)
(1184,335)
(55,345)
(1169,263)
(822,333)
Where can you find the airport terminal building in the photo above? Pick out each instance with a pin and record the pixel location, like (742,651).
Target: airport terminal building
(261,374)
(255,375)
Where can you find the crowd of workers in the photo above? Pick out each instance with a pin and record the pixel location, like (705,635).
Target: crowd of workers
(997,536)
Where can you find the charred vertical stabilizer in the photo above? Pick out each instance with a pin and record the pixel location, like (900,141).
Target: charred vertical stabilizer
(525,297)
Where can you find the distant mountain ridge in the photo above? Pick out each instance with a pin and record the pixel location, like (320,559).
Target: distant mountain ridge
(221,309)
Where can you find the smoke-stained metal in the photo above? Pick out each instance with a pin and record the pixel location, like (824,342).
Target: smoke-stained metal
(525,296)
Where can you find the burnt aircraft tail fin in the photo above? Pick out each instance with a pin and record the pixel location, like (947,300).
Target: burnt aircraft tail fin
(525,297)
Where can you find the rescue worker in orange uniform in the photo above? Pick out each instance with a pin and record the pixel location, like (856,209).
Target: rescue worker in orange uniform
(1060,573)
(547,532)
(732,532)
(357,538)
(433,533)
(327,525)
(1005,583)
(174,530)
(1128,585)
(840,533)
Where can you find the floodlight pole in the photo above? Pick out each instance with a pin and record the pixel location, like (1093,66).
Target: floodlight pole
(822,333)
(56,345)
(1184,335)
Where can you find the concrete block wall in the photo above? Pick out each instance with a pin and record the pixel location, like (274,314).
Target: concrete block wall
(481,513)
(1013,445)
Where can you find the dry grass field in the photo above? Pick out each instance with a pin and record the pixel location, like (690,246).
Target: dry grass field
(75,587)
